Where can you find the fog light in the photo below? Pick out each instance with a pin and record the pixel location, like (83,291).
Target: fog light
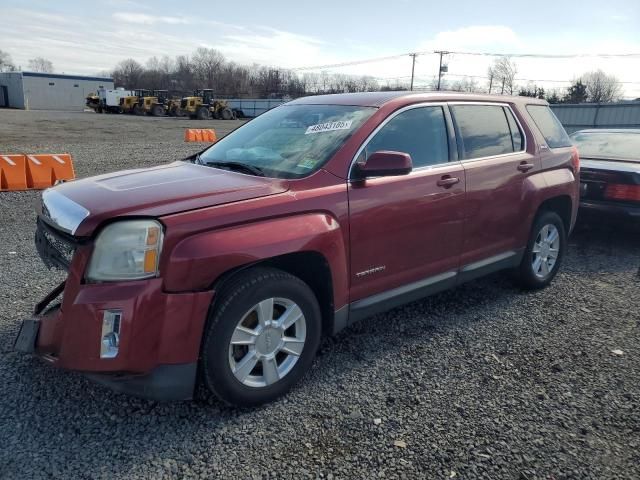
(110,333)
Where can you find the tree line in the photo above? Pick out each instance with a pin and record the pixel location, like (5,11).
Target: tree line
(208,68)
(592,87)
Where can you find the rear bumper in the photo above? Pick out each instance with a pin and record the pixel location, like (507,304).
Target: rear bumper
(159,339)
(591,209)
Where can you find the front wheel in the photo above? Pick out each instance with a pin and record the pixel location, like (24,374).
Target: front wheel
(157,111)
(261,338)
(544,252)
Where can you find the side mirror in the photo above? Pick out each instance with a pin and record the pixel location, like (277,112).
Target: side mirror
(385,163)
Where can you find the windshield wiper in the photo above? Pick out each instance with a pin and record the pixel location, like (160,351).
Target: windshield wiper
(252,169)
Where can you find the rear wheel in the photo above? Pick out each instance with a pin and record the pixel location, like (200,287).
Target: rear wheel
(202,113)
(227,114)
(261,338)
(544,252)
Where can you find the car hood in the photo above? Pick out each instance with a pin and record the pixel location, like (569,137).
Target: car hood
(78,207)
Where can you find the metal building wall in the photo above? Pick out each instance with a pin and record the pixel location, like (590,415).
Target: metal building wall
(59,92)
(13,82)
(252,107)
(606,115)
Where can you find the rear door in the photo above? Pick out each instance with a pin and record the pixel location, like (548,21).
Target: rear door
(408,228)
(493,151)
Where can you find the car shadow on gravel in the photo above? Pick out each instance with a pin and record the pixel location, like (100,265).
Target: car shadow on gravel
(75,414)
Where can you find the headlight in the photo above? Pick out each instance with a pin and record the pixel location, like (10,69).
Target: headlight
(126,250)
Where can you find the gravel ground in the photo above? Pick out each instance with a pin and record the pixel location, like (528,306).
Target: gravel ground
(483,381)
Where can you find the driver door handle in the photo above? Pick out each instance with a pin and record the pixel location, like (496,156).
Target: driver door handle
(447,181)
(525,166)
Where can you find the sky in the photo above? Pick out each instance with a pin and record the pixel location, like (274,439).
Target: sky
(92,37)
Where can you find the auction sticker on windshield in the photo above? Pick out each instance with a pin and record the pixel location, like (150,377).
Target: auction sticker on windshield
(329,126)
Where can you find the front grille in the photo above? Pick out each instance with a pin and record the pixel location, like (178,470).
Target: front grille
(55,248)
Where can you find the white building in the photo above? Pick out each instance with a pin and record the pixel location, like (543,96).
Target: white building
(48,91)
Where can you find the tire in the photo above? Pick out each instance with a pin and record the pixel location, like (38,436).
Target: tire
(534,271)
(157,111)
(202,113)
(137,110)
(237,306)
(227,114)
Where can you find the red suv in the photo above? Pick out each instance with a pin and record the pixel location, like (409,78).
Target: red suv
(230,265)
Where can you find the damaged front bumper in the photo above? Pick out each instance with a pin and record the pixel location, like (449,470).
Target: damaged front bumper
(158,333)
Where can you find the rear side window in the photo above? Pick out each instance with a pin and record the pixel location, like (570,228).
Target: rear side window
(483,130)
(549,125)
(421,132)
(516,133)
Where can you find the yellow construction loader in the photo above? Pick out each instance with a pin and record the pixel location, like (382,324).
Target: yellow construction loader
(132,103)
(202,106)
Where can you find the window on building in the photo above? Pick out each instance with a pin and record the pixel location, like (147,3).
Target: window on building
(76,85)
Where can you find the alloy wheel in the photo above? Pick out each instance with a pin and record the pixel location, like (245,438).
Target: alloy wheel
(546,249)
(267,342)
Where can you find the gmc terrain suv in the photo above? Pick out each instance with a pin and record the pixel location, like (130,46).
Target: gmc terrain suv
(227,267)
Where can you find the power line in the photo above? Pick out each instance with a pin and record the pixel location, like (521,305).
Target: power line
(487,78)
(441,53)
(486,54)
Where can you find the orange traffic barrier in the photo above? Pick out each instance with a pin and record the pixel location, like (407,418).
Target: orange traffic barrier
(13,172)
(22,172)
(200,135)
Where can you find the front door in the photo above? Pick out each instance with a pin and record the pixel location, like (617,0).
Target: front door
(405,229)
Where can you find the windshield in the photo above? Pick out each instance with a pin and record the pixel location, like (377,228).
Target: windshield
(290,141)
(616,145)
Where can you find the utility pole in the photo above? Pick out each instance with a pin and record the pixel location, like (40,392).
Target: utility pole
(413,67)
(441,52)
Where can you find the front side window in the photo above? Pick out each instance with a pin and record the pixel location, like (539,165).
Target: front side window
(290,141)
(483,130)
(421,132)
(549,125)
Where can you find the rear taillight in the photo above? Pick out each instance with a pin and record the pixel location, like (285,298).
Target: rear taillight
(575,160)
(620,191)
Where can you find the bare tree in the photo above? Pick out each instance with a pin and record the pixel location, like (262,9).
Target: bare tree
(128,73)
(466,84)
(601,88)
(207,62)
(491,76)
(40,64)
(504,71)
(6,64)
